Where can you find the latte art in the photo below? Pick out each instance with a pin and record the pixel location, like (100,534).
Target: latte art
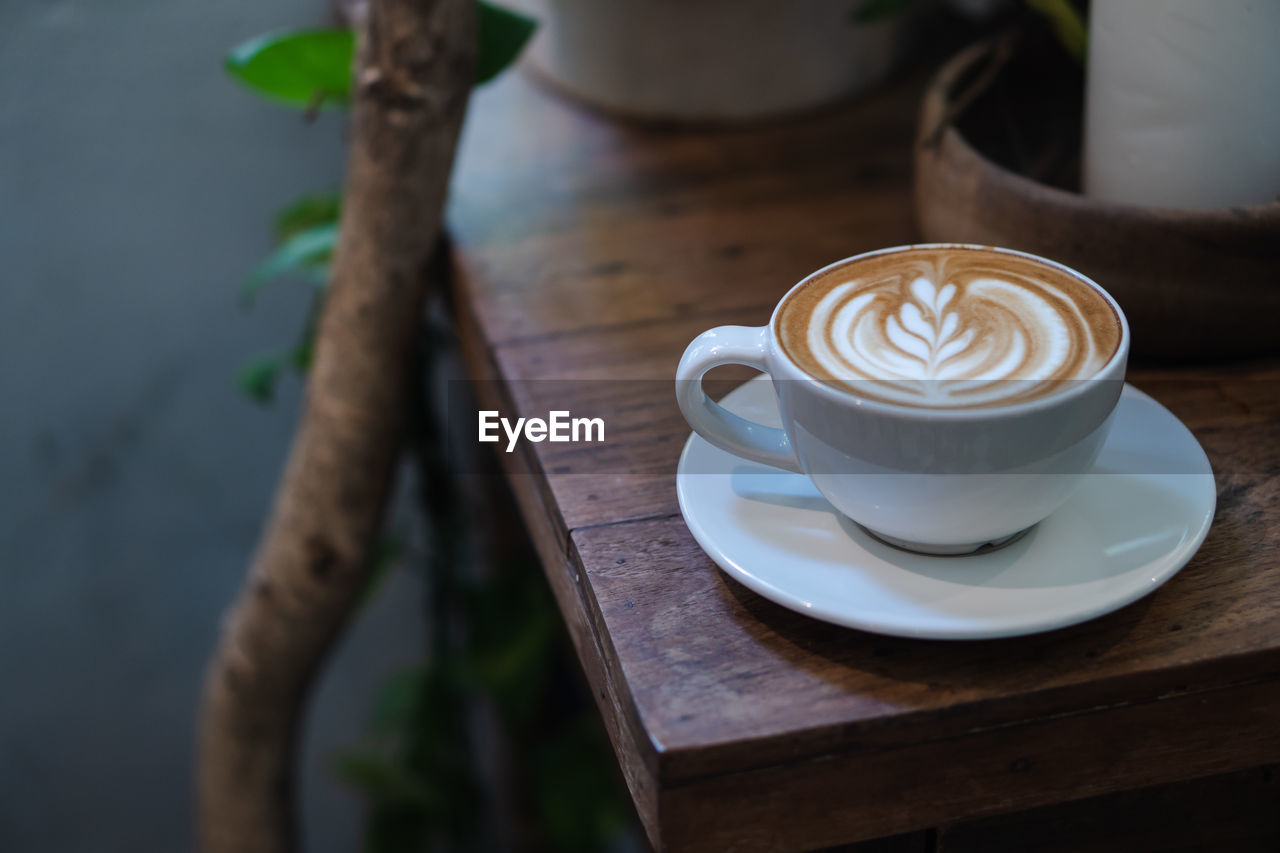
(948,328)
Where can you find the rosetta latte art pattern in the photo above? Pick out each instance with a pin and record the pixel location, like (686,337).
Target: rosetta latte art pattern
(949,328)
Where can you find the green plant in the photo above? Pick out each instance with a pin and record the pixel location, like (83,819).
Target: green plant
(1068,25)
(297,68)
(494,640)
(310,69)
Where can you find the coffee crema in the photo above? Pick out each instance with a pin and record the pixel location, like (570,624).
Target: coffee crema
(948,327)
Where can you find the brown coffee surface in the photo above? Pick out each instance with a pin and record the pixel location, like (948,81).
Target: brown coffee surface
(948,327)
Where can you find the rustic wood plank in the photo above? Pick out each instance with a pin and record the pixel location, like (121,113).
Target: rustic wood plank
(610,695)
(844,797)
(625,376)
(1186,633)
(567,221)
(589,254)
(723,679)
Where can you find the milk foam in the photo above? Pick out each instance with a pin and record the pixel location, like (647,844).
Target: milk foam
(949,328)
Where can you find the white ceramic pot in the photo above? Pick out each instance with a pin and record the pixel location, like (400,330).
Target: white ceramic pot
(1183,103)
(709,60)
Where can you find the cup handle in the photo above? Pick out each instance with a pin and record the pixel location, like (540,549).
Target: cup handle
(730,345)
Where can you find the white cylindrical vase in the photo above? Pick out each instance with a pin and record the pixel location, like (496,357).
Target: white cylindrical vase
(1183,103)
(709,60)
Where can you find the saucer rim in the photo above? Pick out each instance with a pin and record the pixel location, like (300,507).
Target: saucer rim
(1171,562)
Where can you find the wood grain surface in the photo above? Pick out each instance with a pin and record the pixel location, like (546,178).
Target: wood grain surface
(588,254)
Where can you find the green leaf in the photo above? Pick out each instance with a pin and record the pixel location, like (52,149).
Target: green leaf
(387,780)
(307,212)
(395,705)
(390,547)
(309,250)
(578,802)
(301,68)
(502,35)
(300,359)
(1067,25)
(257,379)
(875,11)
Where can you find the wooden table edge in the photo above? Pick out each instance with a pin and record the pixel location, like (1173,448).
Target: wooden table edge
(674,764)
(660,779)
(617,708)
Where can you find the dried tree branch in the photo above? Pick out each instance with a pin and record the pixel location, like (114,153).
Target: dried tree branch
(413,74)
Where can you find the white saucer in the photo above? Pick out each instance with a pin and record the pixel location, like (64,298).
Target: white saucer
(1136,520)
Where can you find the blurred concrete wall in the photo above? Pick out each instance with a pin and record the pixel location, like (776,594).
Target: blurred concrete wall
(136,188)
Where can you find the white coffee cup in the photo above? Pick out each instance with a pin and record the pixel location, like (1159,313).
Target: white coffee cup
(935,480)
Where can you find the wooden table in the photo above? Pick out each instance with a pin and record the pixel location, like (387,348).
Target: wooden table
(588,254)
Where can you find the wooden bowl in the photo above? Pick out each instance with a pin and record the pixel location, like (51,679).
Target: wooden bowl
(1195,284)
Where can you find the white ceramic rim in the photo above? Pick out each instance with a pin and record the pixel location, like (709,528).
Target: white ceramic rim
(980,413)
